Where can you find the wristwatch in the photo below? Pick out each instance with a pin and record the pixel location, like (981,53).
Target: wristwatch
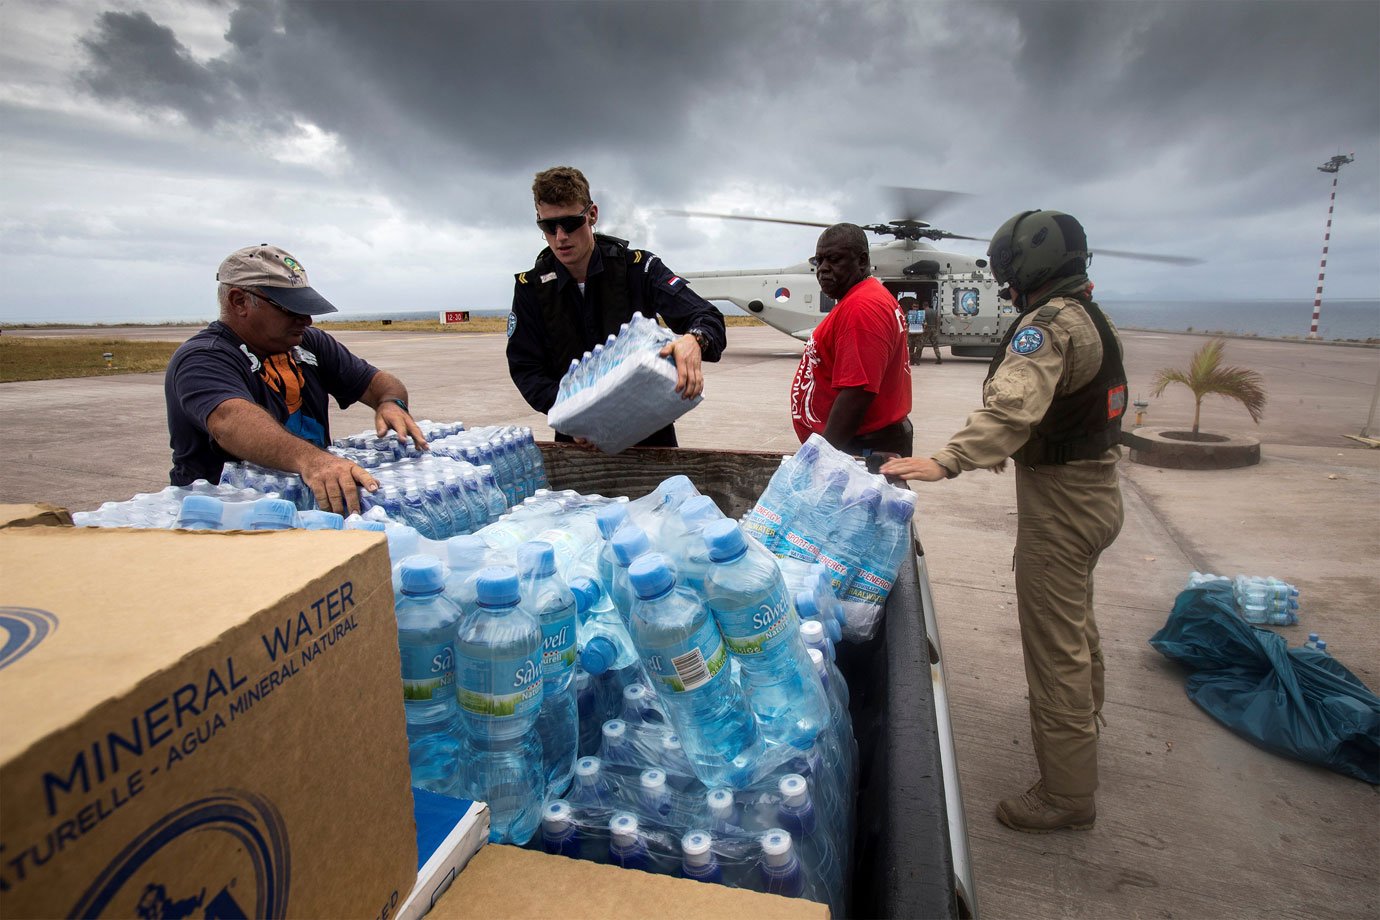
(700,337)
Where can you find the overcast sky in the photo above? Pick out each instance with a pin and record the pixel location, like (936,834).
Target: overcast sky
(391,146)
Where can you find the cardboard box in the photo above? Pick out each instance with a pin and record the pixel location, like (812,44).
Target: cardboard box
(504,881)
(35,515)
(449,832)
(200,723)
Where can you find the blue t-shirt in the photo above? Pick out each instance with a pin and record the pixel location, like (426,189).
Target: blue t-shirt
(215,365)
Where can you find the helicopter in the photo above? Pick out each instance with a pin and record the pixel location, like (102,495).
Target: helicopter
(950,298)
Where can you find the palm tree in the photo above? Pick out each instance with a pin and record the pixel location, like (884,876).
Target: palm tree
(1207,377)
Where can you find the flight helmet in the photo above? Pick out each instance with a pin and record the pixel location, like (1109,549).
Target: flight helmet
(1038,246)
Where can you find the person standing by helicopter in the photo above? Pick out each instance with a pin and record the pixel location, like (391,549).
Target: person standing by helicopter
(585,285)
(1053,401)
(853,382)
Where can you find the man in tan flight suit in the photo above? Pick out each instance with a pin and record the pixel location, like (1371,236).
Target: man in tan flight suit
(1053,402)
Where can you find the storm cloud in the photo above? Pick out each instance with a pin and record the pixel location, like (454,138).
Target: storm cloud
(392,144)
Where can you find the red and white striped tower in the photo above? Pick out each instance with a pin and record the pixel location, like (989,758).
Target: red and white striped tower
(1331,166)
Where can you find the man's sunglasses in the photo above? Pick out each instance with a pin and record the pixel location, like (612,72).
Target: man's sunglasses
(569,224)
(273,303)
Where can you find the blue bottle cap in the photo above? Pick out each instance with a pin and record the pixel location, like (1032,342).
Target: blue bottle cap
(610,517)
(586,591)
(805,605)
(629,543)
(598,655)
(808,452)
(466,550)
(273,514)
(900,506)
(650,575)
(537,559)
(322,520)
(375,526)
(422,575)
(201,509)
(724,539)
(497,586)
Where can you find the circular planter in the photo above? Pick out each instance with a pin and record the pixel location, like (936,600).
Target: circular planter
(1177,449)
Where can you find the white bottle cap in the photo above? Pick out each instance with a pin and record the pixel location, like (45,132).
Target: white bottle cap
(812,631)
(653,781)
(557,816)
(587,767)
(720,802)
(615,730)
(670,741)
(696,847)
(817,657)
(623,827)
(634,693)
(776,847)
(795,791)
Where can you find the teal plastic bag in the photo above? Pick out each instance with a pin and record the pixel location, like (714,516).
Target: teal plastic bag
(1297,702)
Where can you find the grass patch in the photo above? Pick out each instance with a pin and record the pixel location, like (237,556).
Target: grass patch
(26,358)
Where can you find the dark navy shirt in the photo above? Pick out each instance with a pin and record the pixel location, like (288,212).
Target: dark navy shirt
(653,289)
(215,365)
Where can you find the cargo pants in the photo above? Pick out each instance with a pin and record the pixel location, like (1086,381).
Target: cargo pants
(1068,515)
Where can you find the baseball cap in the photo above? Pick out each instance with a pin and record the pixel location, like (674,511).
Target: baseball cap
(283,277)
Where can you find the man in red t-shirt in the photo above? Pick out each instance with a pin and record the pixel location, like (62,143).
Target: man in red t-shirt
(853,382)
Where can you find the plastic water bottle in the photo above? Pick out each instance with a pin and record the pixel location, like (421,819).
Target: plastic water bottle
(683,652)
(629,542)
(784,498)
(654,796)
(753,609)
(852,538)
(810,524)
(550,601)
(559,835)
(871,583)
(1312,641)
(465,555)
(626,846)
(813,837)
(673,757)
(592,786)
(780,867)
(683,543)
(604,641)
(616,747)
(201,512)
(499,688)
(1321,646)
(426,632)
(697,859)
(609,518)
(1251,599)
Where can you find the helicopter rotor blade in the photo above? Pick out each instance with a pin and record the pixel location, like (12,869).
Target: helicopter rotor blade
(959,236)
(763,220)
(1147,257)
(921,203)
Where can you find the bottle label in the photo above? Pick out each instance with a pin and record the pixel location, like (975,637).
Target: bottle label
(427,670)
(690,664)
(762,522)
(499,687)
(558,643)
(868,587)
(759,628)
(799,546)
(838,571)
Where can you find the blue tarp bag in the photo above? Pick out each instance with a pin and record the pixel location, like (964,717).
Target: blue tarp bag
(1293,701)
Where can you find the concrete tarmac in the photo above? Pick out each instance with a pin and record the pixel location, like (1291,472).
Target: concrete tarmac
(1192,820)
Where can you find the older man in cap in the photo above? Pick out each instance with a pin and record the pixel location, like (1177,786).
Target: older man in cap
(253,385)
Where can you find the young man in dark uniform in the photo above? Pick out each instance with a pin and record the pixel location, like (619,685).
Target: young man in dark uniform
(583,286)
(1053,402)
(253,385)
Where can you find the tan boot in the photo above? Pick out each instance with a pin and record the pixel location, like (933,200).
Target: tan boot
(1037,812)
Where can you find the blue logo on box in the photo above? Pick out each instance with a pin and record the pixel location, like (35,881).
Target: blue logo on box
(21,630)
(253,882)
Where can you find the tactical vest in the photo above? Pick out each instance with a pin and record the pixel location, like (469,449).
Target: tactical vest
(1080,425)
(565,332)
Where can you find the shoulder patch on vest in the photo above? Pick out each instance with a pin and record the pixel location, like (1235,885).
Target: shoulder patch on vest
(1028,341)
(636,256)
(1048,312)
(512,324)
(522,277)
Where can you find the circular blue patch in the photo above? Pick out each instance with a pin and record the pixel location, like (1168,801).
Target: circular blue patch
(512,324)
(1027,341)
